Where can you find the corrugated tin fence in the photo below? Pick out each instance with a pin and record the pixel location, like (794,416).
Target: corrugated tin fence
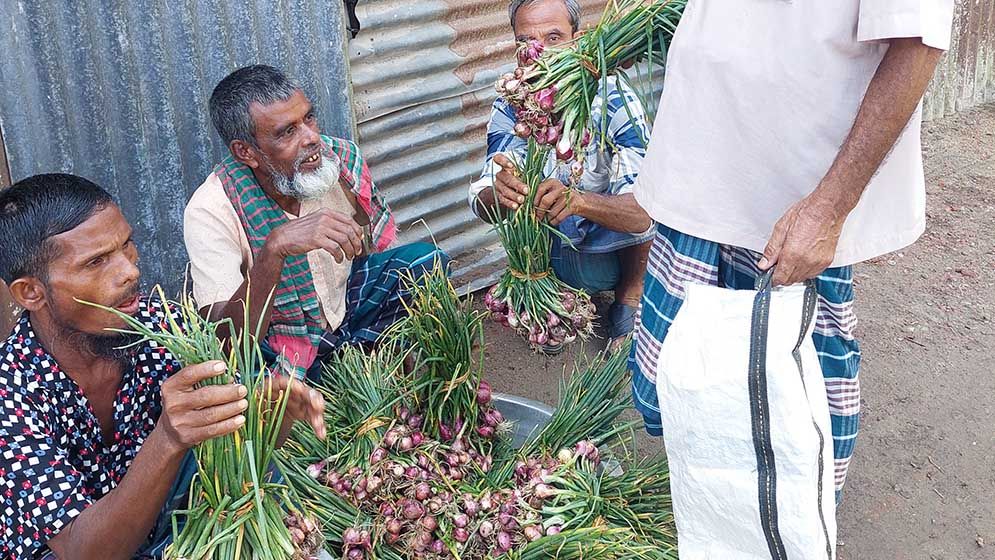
(117,92)
(423,75)
(966,75)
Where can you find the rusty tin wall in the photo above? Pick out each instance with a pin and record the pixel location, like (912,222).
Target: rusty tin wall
(422,93)
(966,75)
(117,92)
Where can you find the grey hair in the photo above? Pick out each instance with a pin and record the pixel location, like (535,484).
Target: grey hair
(572,6)
(230,100)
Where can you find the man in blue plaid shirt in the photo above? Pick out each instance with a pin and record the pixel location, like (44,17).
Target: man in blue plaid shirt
(609,233)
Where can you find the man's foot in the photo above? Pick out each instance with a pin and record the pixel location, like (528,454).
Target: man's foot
(621,322)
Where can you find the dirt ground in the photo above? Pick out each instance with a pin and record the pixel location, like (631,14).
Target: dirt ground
(922,482)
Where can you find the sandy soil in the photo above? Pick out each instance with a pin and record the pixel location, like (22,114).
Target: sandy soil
(922,483)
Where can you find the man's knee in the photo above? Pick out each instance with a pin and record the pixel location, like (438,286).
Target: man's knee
(591,272)
(425,255)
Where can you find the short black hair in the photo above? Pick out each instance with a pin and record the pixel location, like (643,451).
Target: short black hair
(230,100)
(34,210)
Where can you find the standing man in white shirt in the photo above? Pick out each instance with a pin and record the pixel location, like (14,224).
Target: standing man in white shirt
(787,136)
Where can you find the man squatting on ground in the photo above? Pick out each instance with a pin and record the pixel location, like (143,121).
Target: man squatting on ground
(95,439)
(611,235)
(297,211)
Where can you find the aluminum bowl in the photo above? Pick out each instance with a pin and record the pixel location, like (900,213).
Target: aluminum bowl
(527,415)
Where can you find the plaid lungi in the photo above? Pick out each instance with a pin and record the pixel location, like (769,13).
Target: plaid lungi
(374,298)
(677,259)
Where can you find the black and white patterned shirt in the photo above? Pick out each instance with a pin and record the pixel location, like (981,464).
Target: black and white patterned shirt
(54,461)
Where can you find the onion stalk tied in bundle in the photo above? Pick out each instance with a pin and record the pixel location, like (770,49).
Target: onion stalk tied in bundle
(235,509)
(446,334)
(529,297)
(552,92)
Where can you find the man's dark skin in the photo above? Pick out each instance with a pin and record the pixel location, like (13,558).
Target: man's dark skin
(97,262)
(286,130)
(549,23)
(803,243)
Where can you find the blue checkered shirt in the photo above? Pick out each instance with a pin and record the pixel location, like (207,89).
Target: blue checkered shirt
(610,167)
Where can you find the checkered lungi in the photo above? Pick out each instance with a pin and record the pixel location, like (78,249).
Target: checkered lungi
(677,259)
(374,298)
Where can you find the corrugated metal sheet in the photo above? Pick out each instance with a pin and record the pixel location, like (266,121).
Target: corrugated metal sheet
(117,92)
(966,74)
(422,76)
(6,307)
(4,169)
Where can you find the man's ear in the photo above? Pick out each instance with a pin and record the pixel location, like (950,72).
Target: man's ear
(245,153)
(29,293)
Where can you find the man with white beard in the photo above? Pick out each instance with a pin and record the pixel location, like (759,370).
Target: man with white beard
(294,213)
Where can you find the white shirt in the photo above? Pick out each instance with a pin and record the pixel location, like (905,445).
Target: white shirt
(221,258)
(760,95)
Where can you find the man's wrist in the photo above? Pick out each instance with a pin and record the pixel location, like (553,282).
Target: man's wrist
(161,445)
(271,251)
(483,201)
(834,201)
(579,203)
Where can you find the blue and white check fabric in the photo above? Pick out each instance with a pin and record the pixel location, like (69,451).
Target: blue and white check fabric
(677,259)
(610,167)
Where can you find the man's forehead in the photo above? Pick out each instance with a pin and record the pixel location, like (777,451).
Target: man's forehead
(281,112)
(104,227)
(545,13)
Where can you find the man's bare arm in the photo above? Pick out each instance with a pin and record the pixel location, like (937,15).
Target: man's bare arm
(804,240)
(615,212)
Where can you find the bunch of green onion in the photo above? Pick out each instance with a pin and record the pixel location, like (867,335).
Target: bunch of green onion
(529,297)
(236,508)
(431,499)
(588,409)
(636,498)
(363,391)
(446,337)
(553,89)
(552,92)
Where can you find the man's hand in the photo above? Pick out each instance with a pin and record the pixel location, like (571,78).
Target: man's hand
(325,229)
(191,415)
(304,404)
(804,241)
(511,191)
(556,201)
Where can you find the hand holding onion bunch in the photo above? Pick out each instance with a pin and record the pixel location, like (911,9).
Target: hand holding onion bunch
(237,508)
(552,92)
(529,297)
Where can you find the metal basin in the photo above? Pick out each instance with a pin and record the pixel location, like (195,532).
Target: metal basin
(528,415)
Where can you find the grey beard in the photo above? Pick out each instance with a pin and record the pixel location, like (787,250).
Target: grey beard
(306,186)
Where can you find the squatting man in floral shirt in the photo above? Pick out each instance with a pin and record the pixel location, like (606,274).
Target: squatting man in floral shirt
(94,438)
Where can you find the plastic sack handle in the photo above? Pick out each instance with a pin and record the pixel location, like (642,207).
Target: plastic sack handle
(760,411)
